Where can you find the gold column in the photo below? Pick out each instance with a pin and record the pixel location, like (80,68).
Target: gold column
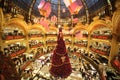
(113,50)
(89,42)
(1,24)
(86,9)
(115,32)
(72,21)
(30,10)
(110,7)
(59,7)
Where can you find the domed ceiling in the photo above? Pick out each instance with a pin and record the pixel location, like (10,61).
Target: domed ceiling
(92,6)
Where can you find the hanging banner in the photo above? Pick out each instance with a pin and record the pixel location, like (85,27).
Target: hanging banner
(44,8)
(74,6)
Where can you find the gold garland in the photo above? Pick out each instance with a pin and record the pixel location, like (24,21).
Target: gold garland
(60,64)
(60,54)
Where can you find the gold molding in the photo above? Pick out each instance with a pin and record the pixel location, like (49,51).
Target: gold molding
(18,22)
(1,17)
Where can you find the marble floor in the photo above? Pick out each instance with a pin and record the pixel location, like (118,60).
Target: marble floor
(40,69)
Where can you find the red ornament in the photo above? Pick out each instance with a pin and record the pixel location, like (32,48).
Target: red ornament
(61,66)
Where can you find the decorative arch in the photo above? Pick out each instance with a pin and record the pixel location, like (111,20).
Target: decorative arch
(79,27)
(17,22)
(96,24)
(38,26)
(53,29)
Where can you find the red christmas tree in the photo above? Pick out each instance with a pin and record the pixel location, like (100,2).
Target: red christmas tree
(61,66)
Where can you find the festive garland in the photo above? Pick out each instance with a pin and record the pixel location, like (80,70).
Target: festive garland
(60,64)
(60,54)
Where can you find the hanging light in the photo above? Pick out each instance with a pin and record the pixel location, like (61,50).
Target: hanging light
(63,10)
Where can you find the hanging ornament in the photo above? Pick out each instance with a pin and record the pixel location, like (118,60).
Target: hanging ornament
(44,8)
(63,10)
(73,6)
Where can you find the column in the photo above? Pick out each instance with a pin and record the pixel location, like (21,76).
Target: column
(110,7)
(115,32)
(30,10)
(86,9)
(59,7)
(1,24)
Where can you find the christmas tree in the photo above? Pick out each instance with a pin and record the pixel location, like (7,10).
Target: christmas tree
(61,66)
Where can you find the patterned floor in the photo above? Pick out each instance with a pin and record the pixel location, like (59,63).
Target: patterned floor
(40,70)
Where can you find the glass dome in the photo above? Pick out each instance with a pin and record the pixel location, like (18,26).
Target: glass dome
(92,5)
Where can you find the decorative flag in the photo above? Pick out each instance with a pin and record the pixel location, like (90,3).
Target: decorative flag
(74,6)
(44,8)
